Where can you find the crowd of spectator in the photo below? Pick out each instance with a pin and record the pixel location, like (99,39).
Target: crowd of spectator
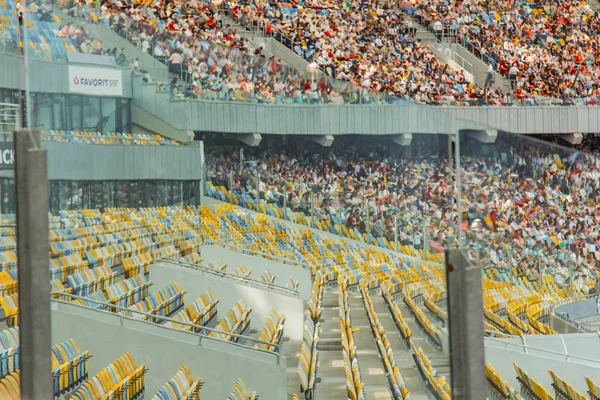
(523,205)
(547,49)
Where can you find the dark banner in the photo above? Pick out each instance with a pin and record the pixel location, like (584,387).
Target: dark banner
(7,155)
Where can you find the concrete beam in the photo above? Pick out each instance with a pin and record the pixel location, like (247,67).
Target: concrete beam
(573,138)
(251,139)
(323,140)
(484,136)
(403,140)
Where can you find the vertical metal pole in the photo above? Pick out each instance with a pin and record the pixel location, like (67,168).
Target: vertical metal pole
(285,216)
(257,183)
(368,222)
(425,244)
(465,325)
(458,183)
(203,173)
(571,281)
(396,231)
(340,218)
(34,275)
(312,208)
(231,185)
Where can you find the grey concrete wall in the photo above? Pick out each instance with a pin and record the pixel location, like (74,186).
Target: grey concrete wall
(258,265)
(164,351)
(75,161)
(44,76)
(228,292)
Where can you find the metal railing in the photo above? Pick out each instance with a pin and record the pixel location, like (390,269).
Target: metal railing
(526,348)
(202,331)
(222,274)
(580,326)
(257,253)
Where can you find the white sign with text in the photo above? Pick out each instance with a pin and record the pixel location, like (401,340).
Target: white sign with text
(95,81)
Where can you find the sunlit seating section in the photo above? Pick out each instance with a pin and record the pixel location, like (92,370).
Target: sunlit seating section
(164,302)
(182,386)
(69,367)
(129,291)
(217,265)
(593,389)
(395,310)
(200,312)
(272,331)
(307,360)
(138,264)
(64,266)
(438,385)
(240,392)
(90,281)
(498,386)
(242,271)
(395,381)
(10,306)
(108,138)
(430,329)
(122,379)
(563,389)
(267,277)
(192,258)
(235,322)
(9,351)
(354,383)
(530,388)
(10,386)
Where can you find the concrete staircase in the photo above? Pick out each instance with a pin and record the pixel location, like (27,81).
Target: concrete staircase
(372,370)
(331,381)
(459,57)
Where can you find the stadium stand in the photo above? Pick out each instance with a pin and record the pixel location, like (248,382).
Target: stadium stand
(180,387)
(240,392)
(308,358)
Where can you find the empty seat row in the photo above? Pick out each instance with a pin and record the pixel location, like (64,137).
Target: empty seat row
(242,271)
(182,386)
(64,266)
(137,264)
(272,331)
(396,313)
(128,291)
(240,392)
(498,385)
(395,381)
(164,302)
(168,251)
(9,351)
(563,389)
(354,382)
(192,258)
(266,277)
(307,360)
(217,265)
(430,304)
(8,284)
(236,321)
(437,385)
(200,312)
(10,386)
(593,389)
(430,329)
(122,379)
(530,387)
(69,367)
(10,306)
(189,246)
(91,280)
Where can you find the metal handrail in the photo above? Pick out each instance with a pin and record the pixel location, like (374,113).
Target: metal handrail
(228,275)
(264,255)
(167,319)
(527,347)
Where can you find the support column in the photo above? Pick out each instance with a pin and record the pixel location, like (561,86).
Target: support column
(465,325)
(34,276)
